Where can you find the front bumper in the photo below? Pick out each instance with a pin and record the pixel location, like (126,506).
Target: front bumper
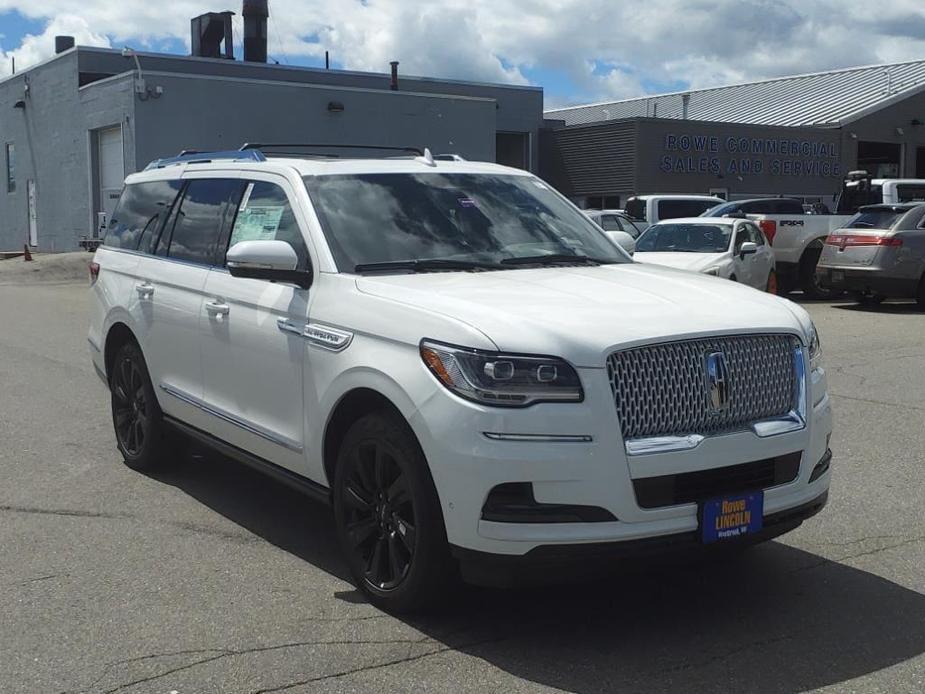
(591,470)
(553,563)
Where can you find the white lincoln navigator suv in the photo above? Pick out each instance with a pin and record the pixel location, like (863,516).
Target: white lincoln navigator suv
(476,378)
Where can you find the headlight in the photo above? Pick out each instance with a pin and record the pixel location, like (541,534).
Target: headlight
(506,380)
(815,349)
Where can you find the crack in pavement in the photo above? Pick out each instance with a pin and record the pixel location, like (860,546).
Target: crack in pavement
(823,561)
(877,402)
(225,653)
(60,512)
(377,666)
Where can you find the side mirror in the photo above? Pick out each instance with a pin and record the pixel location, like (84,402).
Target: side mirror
(275,261)
(623,240)
(747,248)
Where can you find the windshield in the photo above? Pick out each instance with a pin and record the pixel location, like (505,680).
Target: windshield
(685,238)
(874,219)
(483,219)
(721,209)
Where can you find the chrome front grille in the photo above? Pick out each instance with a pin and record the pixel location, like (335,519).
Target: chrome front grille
(664,389)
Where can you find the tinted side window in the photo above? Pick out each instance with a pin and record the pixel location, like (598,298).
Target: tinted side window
(265,214)
(910,192)
(138,215)
(673,209)
(789,207)
(199,221)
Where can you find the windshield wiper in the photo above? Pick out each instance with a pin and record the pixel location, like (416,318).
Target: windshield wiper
(553,259)
(424,265)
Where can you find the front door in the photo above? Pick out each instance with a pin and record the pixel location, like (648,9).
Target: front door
(253,349)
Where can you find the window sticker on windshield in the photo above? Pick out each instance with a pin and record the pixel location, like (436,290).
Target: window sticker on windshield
(257,223)
(467,202)
(247,196)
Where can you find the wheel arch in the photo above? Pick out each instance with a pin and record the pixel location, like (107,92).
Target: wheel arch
(351,406)
(118,334)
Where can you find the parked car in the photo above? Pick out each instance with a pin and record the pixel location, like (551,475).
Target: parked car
(614,220)
(734,249)
(646,210)
(756,206)
(880,253)
(458,360)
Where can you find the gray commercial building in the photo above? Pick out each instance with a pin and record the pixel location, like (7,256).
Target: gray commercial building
(73,126)
(789,136)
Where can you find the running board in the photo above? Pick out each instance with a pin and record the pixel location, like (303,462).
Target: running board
(301,484)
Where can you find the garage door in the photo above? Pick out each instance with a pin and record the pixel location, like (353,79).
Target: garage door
(111,171)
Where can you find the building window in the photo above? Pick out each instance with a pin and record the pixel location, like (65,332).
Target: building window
(10,168)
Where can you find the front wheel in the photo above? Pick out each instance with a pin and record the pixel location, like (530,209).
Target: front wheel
(141,435)
(389,523)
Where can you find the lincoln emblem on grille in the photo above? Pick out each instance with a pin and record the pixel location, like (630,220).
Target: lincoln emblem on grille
(717,380)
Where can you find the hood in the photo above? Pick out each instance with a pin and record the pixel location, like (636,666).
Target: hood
(584,313)
(692,262)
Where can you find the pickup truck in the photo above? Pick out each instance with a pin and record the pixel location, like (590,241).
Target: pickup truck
(797,237)
(646,210)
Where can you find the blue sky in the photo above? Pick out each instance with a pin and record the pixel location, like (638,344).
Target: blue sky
(577,50)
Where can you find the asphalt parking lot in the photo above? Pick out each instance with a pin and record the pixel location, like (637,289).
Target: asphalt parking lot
(214,579)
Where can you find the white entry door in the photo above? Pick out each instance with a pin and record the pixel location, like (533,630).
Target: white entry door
(112,170)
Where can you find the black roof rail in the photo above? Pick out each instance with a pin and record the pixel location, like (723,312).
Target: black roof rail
(189,156)
(258,146)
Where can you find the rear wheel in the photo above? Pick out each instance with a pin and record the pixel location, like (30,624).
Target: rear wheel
(868,299)
(771,287)
(389,523)
(141,434)
(809,280)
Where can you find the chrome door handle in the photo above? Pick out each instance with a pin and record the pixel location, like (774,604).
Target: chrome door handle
(145,290)
(217,308)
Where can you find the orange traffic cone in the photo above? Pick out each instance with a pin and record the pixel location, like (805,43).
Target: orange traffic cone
(27,256)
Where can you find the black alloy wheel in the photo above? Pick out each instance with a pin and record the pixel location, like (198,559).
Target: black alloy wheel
(130,411)
(380,520)
(141,434)
(389,521)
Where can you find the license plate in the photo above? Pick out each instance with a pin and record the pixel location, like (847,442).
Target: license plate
(732,516)
(838,276)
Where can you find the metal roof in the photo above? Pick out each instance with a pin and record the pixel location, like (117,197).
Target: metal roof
(822,99)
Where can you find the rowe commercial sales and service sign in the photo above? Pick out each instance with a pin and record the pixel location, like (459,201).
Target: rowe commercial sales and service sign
(742,156)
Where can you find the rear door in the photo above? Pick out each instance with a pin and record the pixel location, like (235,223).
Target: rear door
(252,336)
(168,293)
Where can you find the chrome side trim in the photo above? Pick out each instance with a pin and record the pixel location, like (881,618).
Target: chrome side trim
(224,415)
(795,420)
(328,338)
(663,444)
(539,438)
(323,336)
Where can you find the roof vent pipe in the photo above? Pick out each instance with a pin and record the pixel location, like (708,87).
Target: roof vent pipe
(685,103)
(63,43)
(393,85)
(255,13)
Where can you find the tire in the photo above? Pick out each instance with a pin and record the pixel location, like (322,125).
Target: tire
(771,287)
(389,523)
(868,299)
(809,281)
(141,435)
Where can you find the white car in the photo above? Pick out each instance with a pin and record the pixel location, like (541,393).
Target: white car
(614,220)
(458,360)
(734,249)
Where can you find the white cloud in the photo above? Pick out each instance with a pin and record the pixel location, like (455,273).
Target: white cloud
(600,48)
(34,49)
